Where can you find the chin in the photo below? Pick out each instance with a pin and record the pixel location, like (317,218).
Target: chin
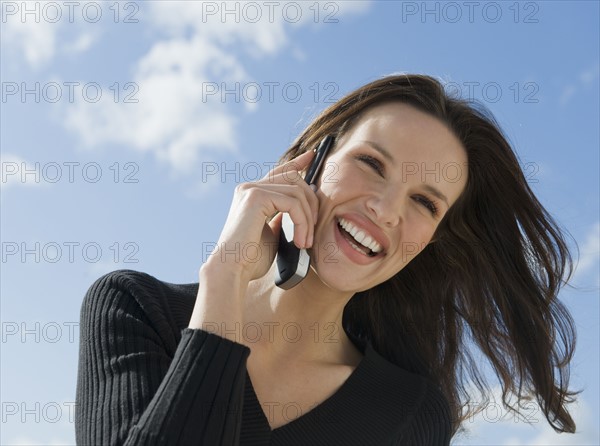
(335,279)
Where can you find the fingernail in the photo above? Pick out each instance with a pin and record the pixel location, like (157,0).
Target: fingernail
(313,187)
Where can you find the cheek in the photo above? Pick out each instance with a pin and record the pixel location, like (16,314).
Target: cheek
(413,238)
(339,180)
(330,175)
(414,242)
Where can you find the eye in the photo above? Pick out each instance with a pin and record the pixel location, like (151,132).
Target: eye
(373,162)
(428,204)
(376,165)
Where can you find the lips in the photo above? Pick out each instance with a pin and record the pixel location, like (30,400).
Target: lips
(349,245)
(359,238)
(364,231)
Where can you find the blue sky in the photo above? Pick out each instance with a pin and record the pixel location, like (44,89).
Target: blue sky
(126,126)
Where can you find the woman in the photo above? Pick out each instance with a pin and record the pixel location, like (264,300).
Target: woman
(422,231)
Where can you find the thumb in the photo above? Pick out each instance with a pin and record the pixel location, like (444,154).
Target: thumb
(298,164)
(302,160)
(275,223)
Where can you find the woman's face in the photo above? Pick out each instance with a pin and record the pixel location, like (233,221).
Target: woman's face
(387,178)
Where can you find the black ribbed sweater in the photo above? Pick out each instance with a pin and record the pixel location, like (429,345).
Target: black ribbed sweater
(144,378)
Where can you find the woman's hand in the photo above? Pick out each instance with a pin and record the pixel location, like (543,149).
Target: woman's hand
(248,242)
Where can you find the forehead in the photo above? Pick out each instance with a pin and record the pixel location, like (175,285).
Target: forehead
(400,122)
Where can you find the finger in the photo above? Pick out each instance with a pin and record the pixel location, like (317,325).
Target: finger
(299,213)
(302,192)
(268,199)
(293,166)
(310,190)
(275,223)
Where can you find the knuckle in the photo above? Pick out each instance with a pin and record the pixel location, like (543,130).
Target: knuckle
(241,187)
(253,193)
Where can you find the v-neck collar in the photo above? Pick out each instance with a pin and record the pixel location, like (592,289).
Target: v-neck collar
(318,411)
(376,404)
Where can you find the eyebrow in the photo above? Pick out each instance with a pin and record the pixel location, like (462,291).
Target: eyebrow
(436,192)
(432,190)
(381,150)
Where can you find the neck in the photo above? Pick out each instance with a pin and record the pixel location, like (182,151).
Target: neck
(299,325)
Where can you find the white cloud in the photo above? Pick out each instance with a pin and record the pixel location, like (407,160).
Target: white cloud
(259,26)
(35,41)
(589,252)
(14,170)
(567,94)
(173,118)
(176,117)
(586,79)
(586,430)
(590,75)
(497,426)
(223,24)
(81,44)
(32,33)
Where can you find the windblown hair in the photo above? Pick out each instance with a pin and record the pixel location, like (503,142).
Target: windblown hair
(490,278)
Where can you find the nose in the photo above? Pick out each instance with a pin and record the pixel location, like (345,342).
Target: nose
(386,207)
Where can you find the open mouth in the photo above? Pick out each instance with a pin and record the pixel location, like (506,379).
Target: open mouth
(366,246)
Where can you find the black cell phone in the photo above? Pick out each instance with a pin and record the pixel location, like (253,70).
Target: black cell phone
(292,262)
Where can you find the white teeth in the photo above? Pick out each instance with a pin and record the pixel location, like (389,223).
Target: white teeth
(360,236)
(355,247)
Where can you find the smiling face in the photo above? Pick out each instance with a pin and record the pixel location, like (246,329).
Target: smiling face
(388,184)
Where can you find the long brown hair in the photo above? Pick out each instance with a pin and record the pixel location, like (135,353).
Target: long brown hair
(490,278)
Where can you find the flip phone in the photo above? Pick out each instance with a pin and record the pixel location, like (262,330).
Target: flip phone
(292,262)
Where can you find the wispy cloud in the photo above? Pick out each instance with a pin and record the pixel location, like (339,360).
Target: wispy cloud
(497,426)
(174,118)
(567,94)
(82,43)
(170,117)
(586,432)
(36,42)
(584,80)
(590,75)
(589,251)
(16,171)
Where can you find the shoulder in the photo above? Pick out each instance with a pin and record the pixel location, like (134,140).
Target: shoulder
(124,279)
(132,280)
(121,287)
(127,294)
(420,410)
(432,420)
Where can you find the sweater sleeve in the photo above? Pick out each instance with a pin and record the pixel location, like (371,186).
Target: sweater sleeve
(133,389)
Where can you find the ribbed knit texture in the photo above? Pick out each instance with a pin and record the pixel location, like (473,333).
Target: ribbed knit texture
(146,379)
